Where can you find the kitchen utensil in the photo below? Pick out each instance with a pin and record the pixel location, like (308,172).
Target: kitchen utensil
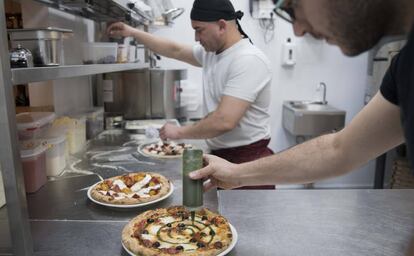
(21,57)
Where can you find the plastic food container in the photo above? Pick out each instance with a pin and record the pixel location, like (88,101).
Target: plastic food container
(32,124)
(100,53)
(94,122)
(56,152)
(75,131)
(33,154)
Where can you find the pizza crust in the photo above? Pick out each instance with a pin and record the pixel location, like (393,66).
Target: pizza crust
(132,234)
(165,189)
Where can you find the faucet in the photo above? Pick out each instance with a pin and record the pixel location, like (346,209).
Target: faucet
(323,85)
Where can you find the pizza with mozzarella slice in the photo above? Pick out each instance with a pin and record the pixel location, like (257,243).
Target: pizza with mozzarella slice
(131,188)
(171,231)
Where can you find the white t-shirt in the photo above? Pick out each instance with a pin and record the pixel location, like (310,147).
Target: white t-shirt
(243,72)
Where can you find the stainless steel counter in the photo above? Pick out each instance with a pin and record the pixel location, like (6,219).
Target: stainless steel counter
(299,222)
(320,222)
(65,222)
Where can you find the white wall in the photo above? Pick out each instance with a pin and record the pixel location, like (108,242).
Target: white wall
(316,62)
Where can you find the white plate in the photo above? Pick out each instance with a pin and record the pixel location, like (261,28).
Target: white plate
(232,245)
(142,152)
(129,205)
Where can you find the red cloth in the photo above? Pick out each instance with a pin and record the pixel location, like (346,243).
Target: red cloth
(246,153)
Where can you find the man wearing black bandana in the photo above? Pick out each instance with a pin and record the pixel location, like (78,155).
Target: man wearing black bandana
(236,96)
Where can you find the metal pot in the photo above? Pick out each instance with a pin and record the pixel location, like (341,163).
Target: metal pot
(21,58)
(44,43)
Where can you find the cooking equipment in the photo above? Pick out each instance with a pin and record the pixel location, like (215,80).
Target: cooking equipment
(44,43)
(145,94)
(21,57)
(166,92)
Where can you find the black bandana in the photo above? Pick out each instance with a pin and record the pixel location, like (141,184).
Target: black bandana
(214,10)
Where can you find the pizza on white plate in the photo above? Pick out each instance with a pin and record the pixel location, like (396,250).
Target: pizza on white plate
(166,149)
(171,231)
(131,188)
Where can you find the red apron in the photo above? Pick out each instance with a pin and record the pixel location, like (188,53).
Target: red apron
(246,153)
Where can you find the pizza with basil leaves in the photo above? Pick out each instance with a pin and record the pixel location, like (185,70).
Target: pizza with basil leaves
(171,231)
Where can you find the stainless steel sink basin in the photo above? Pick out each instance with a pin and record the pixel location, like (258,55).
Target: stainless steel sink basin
(307,118)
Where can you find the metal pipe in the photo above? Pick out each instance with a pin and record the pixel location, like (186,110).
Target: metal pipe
(323,85)
(9,153)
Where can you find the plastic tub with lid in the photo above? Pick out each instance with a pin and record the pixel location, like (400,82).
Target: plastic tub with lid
(32,124)
(100,53)
(94,122)
(56,152)
(33,155)
(75,131)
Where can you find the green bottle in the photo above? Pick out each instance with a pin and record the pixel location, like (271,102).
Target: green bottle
(192,189)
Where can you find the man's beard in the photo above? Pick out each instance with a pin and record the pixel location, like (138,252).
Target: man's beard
(358,26)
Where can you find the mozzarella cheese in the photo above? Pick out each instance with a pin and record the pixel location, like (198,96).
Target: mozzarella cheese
(120,184)
(167,220)
(137,186)
(144,192)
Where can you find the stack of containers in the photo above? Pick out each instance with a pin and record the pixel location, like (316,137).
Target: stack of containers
(75,127)
(57,152)
(32,125)
(33,155)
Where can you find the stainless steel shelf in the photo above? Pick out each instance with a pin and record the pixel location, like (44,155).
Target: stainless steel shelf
(39,74)
(103,10)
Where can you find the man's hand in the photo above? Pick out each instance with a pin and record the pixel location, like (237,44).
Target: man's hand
(170,131)
(120,29)
(217,173)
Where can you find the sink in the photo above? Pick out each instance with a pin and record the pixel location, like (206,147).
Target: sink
(310,118)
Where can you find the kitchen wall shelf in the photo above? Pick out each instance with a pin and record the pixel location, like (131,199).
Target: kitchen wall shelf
(103,10)
(38,74)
